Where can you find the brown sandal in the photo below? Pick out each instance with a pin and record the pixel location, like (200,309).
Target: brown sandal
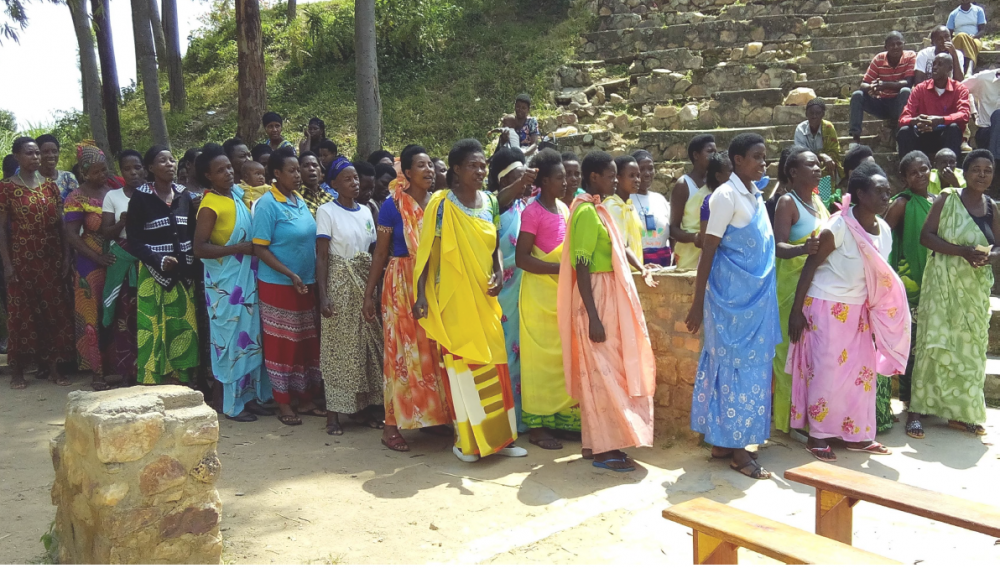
(290,419)
(396,443)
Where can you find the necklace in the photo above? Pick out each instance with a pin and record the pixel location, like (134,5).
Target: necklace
(809,207)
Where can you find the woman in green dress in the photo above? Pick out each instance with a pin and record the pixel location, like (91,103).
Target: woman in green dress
(953,332)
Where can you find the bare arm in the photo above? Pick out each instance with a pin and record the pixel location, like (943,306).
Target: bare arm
(203,247)
(894,216)
(379,260)
(496,281)
(420,306)
(796,320)
(526,261)
(709,245)
(322,271)
(264,253)
(678,199)
(508,194)
(596,331)
(929,237)
(109,228)
(72,234)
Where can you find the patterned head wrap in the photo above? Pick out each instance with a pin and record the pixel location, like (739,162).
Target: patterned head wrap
(338,165)
(87,155)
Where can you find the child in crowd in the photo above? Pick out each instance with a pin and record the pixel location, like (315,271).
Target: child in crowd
(946,172)
(254,183)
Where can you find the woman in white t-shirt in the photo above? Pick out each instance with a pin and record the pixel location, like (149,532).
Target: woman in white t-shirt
(833,359)
(351,347)
(654,213)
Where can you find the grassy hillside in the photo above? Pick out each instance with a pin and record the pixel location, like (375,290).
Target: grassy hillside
(448,70)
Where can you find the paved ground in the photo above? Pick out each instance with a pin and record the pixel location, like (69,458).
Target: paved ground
(296,495)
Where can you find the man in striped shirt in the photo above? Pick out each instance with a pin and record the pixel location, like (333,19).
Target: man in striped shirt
(885,87)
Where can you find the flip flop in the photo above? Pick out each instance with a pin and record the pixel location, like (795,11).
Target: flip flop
(915,429)
(290,419)
(315,411)
(244,416)
(335,429)
(604,465)
(872,448)
(816,451)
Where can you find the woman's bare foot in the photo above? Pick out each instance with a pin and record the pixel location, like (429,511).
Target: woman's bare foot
(333,426)
(56,377)
(544,439)
(17,381)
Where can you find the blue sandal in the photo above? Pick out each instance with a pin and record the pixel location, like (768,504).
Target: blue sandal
(604,465)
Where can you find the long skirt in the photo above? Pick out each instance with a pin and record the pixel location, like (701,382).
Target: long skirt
(484,405)
(88,296)
(124,347)
(545,402)
(833,377)
(40,316)
(414,392)
(167,331)
(611,418)
(350,346)
(290,340)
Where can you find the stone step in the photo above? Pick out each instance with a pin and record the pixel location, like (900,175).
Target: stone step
(921,24)
(868,39)
(862,54)
(867,6)
(668,143)
(844,17)
(740,109)
(834,86)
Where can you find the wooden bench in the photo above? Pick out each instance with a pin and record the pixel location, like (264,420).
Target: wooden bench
(719,530)
(839,489)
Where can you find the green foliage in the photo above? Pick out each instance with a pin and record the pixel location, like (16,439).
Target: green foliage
(8,122)
(448,69)
(50,540)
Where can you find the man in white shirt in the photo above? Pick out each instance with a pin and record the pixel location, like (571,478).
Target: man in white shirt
(940,43)
(985,90)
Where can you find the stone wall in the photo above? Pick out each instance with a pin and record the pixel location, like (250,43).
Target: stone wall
(676,350)
(135,473)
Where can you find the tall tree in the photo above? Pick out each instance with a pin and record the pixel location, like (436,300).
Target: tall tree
(14,21)
(291,10)
(146,57)
(175,74)
(366,61)
(250,61)
(88,69)
(159,38)
(110,91)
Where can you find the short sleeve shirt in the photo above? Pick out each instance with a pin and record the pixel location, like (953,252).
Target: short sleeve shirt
(960,21)
(225,216)
(389,217)
(116,203)
(732,203)
(350,231)
(590,242)
(925,59)
(288,229)
(549,228)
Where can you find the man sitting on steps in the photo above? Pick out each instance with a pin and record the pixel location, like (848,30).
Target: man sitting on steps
(886,86)
(936,114)
(940,43)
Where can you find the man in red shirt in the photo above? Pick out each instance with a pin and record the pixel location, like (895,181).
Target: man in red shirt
(936,114)
(885,87)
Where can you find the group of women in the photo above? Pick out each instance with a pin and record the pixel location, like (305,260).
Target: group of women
(827,306)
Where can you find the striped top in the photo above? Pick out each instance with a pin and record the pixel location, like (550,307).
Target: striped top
(156,230)
(882,70)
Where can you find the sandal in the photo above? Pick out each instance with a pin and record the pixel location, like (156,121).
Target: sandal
(314,411)
(290,419)
(824,454)
(915,429)
(334,429)
(974,429)
(244,416)
(547,443)
(99,385)
(399,445)
(64,382)
(872,448)
(751,469)
(605,464)
(16,384)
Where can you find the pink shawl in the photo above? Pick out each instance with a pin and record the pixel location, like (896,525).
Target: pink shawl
(889,311)
(638,360)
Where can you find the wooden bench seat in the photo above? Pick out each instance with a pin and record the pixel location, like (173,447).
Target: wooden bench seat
(839,489)
(719,530)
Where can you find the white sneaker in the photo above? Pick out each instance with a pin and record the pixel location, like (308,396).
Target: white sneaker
(513,452)
(463,457)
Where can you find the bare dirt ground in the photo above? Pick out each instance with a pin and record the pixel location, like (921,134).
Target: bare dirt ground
(294,495)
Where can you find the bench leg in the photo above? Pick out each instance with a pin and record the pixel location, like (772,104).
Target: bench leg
(834,516)
(710,550)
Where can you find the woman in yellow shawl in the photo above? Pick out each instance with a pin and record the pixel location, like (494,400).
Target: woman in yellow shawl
(458,254)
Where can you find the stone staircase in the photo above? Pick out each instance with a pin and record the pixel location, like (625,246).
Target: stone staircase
(656,73)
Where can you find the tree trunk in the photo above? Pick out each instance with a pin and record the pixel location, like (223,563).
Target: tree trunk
(369,102)
(111,91)
(89,73)
(250,61)
(291,10)
(146,58)
(159,38)
(175,74)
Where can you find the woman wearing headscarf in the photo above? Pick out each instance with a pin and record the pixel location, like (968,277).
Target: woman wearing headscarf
(119,311)
(82,219)
(222,242)
(607,358)
(414,391)
(850,321)
(953,330)
(160,224)
(314,134)
(548,410)
(350,345)
(284,238)
(459,273)
(36,266)
(798,217)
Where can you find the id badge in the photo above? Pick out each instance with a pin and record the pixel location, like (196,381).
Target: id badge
(650,223)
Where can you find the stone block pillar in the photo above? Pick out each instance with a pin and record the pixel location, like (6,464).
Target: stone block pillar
(135,473)
(676,350)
